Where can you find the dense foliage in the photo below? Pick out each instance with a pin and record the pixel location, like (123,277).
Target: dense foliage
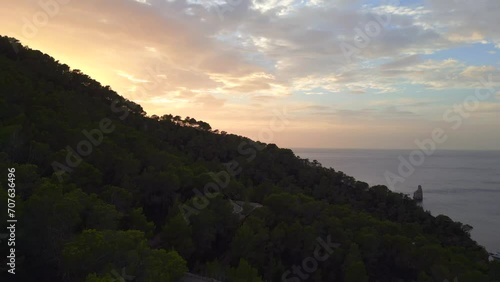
(102,188)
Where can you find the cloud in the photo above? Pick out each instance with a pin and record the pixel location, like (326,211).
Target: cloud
(390,112)
(446,74)
(476,72)
(209,101)
(212,59)
(402,62)
(489,108)
(131,77)
(282,39)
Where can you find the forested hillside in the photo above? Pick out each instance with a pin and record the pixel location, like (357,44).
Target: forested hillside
(104,189)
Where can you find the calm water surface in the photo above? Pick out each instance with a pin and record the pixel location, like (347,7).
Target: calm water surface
(464,185)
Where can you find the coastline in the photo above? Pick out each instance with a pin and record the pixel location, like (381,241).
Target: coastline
(465,191)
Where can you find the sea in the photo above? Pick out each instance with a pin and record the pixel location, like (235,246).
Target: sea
(464,185)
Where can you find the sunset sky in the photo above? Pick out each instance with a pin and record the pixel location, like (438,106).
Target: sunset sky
(342,73)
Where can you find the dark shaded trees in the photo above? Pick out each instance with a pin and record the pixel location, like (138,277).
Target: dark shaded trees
(119,207)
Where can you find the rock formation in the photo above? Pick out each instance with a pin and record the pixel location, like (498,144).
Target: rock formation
(419,194)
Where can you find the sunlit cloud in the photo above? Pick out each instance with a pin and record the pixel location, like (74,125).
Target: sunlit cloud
(234,69)
(131,77)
